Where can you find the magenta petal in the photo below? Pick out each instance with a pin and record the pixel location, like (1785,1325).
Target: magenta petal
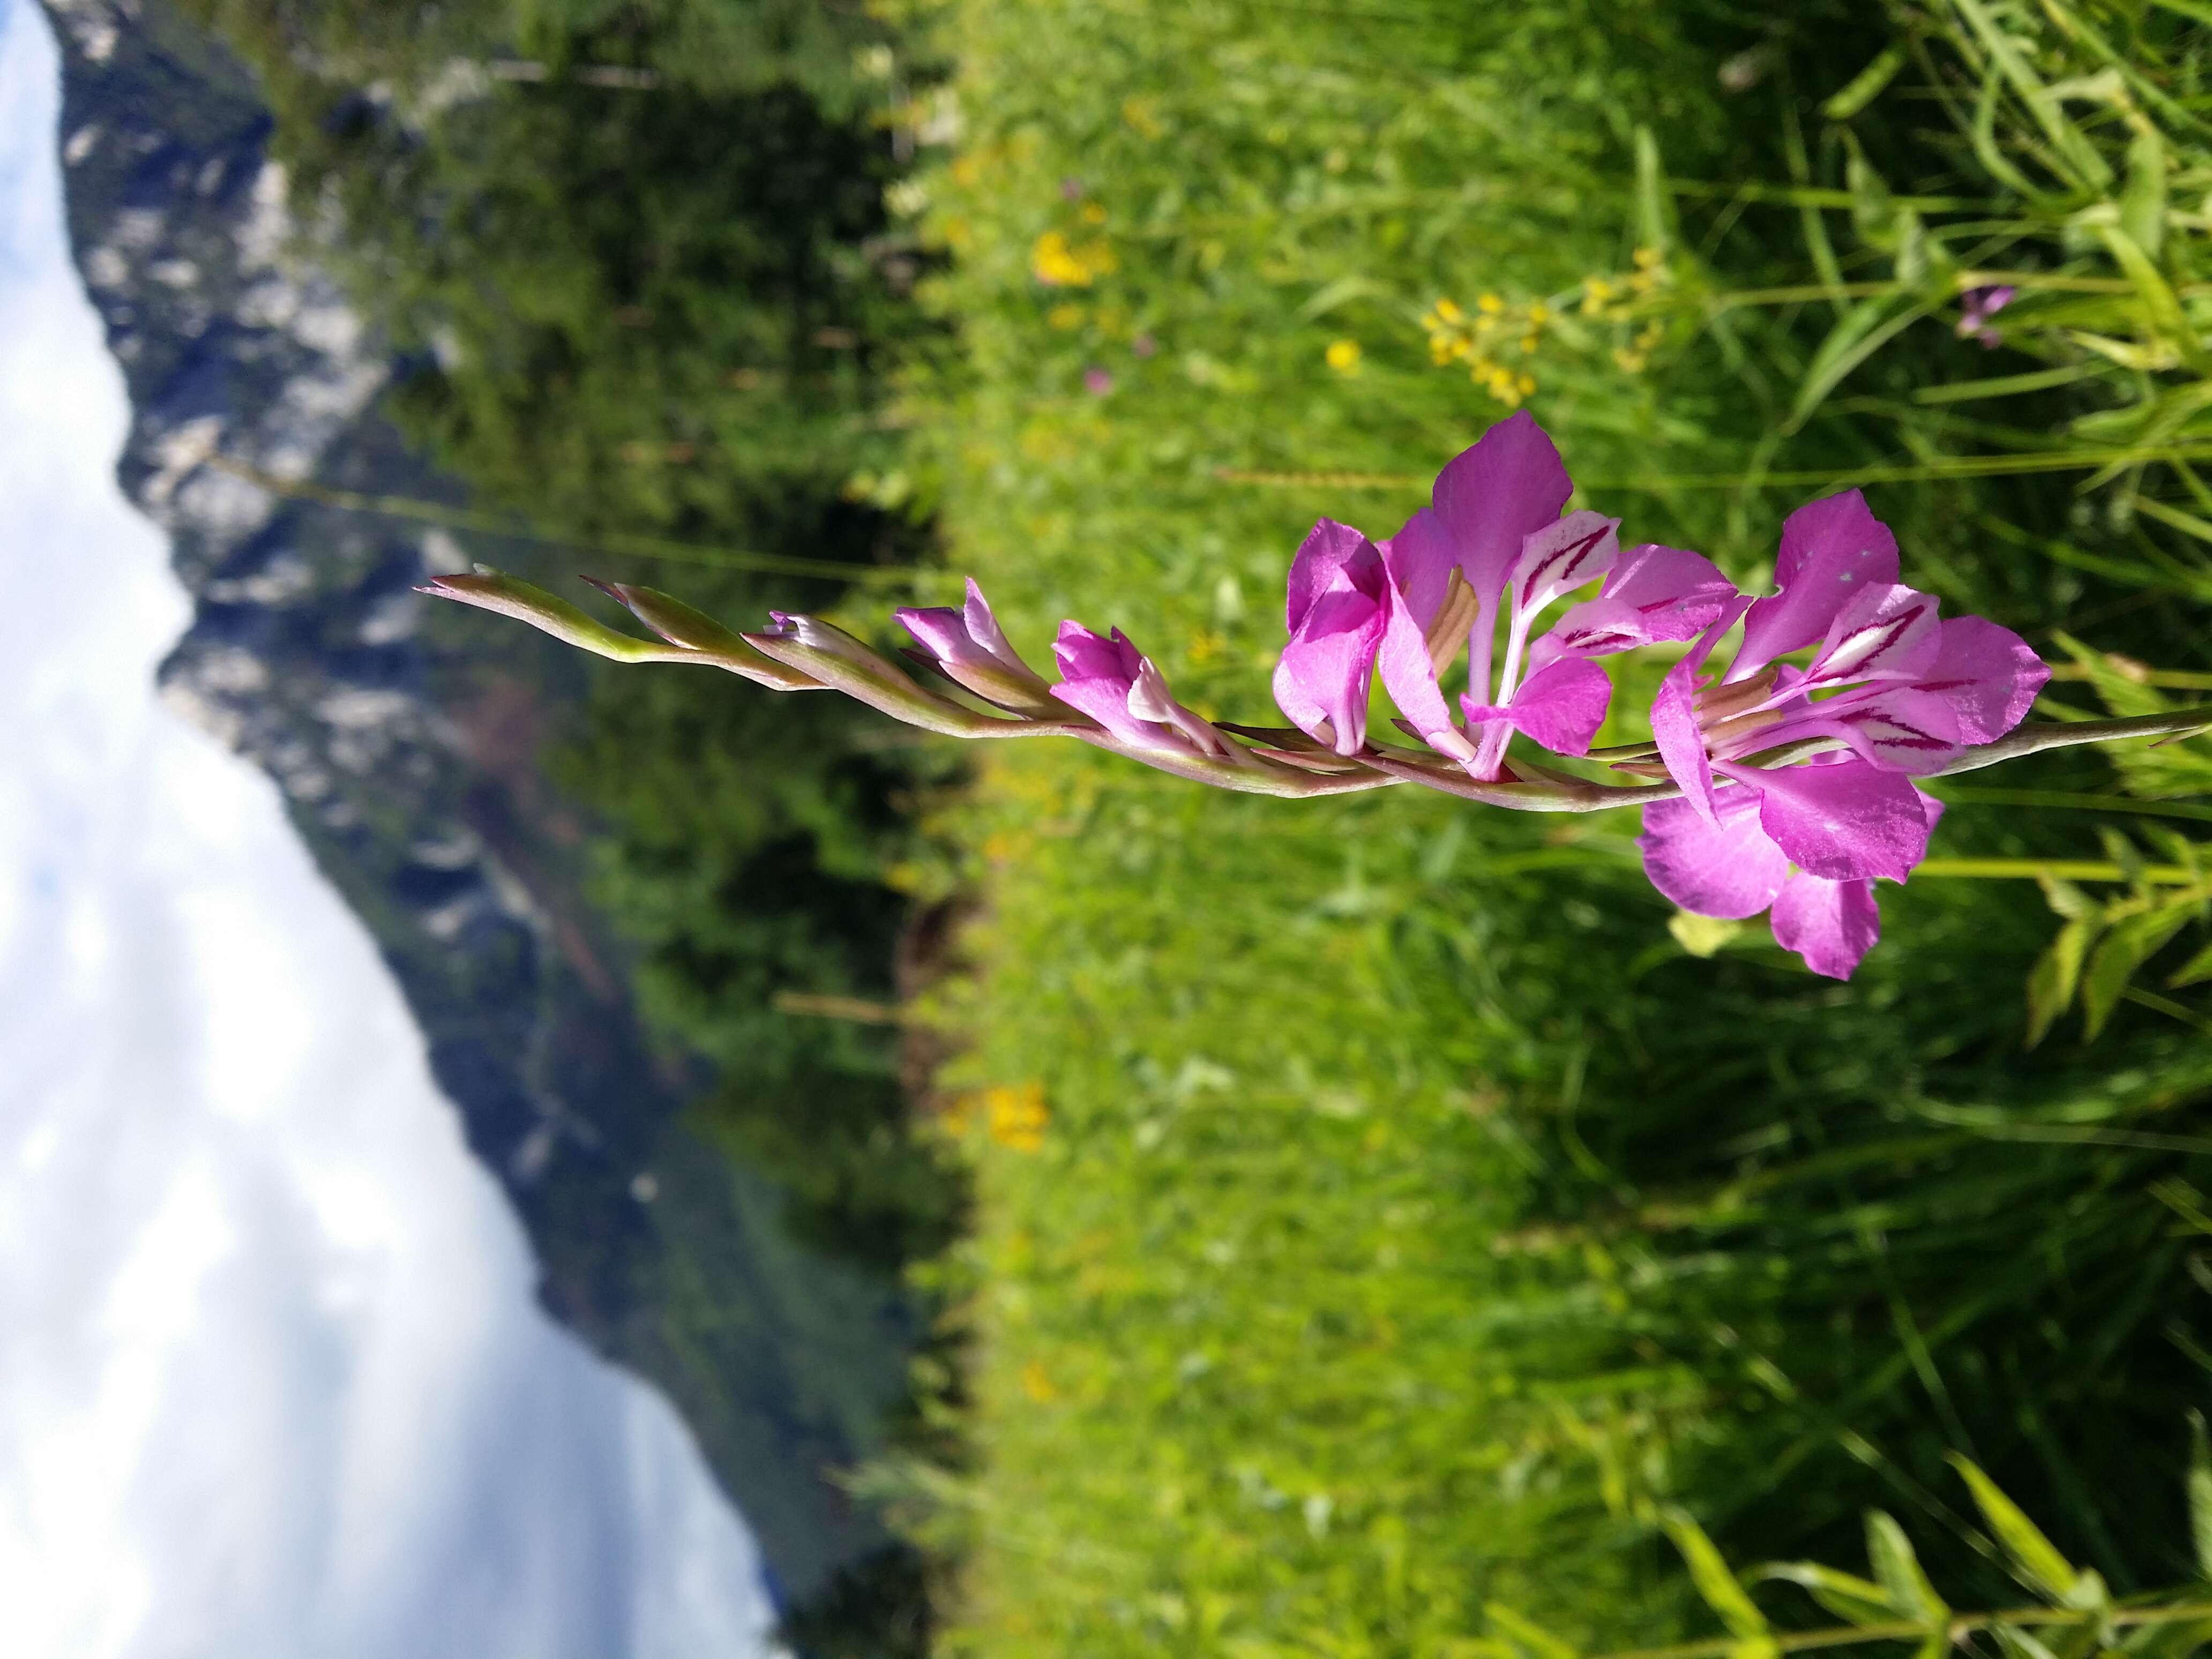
(1319,567)
(1901,729)
(1419,558)
(1831,550)
(1654,593)
(1410,678)
(1107,701)
(1989,676)
(1882,634)
(1322,677)
(1565,554)
(1674,717)
(1831,924)
(1510,485)
(1083,655)
(1681,745)
(983,629)
(1727,867)
(1562,706)
(1098,676)
(1841,822)
(941,630)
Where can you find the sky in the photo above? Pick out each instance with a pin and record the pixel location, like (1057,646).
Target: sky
(271,1378)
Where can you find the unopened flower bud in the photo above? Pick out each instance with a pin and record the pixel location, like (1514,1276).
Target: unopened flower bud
(967,647)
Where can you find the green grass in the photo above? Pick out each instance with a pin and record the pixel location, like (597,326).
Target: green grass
(1413,1216)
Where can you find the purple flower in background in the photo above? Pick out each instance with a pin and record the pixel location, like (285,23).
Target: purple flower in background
(1977,306)
(1096,381)
(969,646)
(1111,681)
(1143,346)
(1070,189)
(1731,866)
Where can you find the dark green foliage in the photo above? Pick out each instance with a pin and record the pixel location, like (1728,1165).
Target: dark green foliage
(662,307)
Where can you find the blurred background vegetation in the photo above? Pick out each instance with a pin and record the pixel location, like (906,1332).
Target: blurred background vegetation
(1348,1218)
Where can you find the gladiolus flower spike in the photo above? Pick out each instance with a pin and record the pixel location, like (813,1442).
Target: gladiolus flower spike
(1781,780)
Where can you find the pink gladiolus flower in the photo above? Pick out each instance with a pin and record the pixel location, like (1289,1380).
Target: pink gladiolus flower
(968,646)
(1901,688)
(1732,865)
(1108,680)
(1490,545)
(1338,600)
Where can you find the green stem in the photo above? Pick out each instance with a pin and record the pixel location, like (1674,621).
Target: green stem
(1959,1626)
(2087,803)
(2173,679)
(2158,875)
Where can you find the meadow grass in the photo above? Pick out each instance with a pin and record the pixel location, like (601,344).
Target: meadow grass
(1380,1214)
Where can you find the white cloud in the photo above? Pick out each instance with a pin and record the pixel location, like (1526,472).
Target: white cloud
(271,1380)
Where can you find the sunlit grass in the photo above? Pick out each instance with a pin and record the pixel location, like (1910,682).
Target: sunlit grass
(1410,1212)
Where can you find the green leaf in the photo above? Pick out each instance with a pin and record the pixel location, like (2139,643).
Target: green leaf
(2050,985)
(1860,332)
(2127,945)
(1528,1635)
(1704,936)
(1656,216)
(1724,1594)
(2158,300)
(1873,209)
(2200,1494)
(1867,85)
(2178,1640)
(2143,201)
(1847,1595)
(2079,156)
(2017,1643)
(2066,900)
(2125,853)
(1889,1551)
(2040,1564)
(2195,971)
(1984,134)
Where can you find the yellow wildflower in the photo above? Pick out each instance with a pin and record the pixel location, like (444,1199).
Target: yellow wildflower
(1017,1117)
(1447,312)
(1489,304)
(1056,262)
(1093,214)
(1343,357)
(1037,1385)
(1065,317)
